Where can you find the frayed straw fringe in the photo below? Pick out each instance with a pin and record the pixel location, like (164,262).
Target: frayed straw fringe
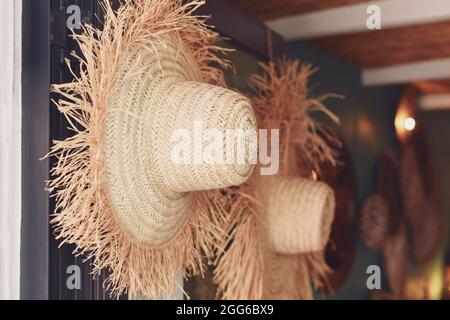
(83,214)
(280,102)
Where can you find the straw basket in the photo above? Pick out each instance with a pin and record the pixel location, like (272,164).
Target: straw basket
(374,224)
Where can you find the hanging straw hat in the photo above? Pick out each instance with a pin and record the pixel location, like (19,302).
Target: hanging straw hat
(298,214)
(153,97)
(121,198)
(286,278)
(375,222)
(285,212)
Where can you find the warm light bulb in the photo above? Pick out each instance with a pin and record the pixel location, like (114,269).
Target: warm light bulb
(410,124)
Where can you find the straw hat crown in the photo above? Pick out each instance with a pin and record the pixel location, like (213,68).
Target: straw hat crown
(300,213)
(157,92)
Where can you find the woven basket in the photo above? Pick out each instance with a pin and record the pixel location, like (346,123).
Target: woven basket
(396,260)
(374,224)
(299,214)
(388,185)
(414,197)
(427,240)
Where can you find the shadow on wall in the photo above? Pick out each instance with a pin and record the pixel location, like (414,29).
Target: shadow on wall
(367,125)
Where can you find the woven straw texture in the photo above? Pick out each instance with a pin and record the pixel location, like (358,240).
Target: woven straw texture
(118,200)
(299,214)
(151,196)
(286,278)
(388,185)
(374,224)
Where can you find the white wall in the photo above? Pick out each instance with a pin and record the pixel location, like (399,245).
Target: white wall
(10,147)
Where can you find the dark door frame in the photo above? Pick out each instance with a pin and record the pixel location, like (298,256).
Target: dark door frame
(34,262)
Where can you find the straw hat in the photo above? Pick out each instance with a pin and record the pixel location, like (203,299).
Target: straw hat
(286,278)
(121,198)
(299,214)
(281,221)
(375,222)
(155,95)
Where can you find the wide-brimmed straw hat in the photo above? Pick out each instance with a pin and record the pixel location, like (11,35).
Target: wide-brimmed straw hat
(126,196)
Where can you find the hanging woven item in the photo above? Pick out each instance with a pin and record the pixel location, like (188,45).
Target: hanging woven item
(388,185)
(427,239)
(395,255)
(287,218)
(121,199)
(413,190)
(374,225)
(299,212)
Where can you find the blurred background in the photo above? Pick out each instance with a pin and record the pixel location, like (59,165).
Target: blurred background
(395,81)
(388,60)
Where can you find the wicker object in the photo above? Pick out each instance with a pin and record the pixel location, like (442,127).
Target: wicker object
(299,214)
(413,190)
(374,224)
(427,239)
(286,278)
(154,96)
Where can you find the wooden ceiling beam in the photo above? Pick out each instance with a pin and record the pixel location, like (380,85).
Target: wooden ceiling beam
(432,102)
(400,74)
(273,9)
(353,18)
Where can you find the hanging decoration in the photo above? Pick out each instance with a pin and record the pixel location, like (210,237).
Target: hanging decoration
(120,198)
(277,247)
